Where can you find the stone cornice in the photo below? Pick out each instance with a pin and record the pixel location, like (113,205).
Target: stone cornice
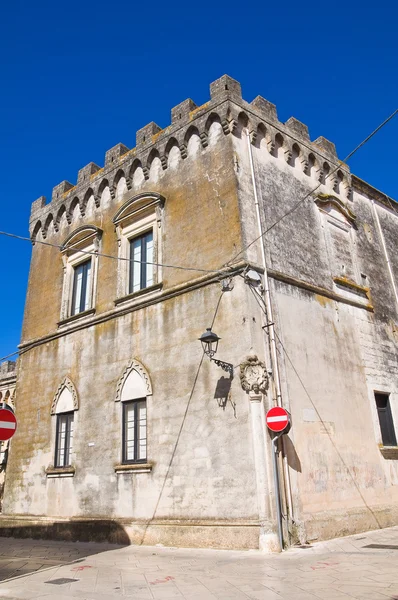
(143,302)
(321,291)
(361,186)
(8,379)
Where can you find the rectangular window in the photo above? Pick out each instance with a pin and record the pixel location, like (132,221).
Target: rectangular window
(81,287)
(64,440)
(134,431)
(141,253)
(385,419)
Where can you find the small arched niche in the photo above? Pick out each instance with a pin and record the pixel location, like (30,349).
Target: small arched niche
(279,147)
(134,383)
(295,158)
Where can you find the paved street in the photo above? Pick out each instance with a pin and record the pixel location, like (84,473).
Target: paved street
(364,566)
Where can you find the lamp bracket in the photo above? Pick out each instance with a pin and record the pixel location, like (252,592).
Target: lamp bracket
(228,367)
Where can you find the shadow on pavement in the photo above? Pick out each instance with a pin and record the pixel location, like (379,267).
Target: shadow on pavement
(31,548)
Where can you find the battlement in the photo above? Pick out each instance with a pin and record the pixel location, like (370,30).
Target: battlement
(226,106)
(7,369)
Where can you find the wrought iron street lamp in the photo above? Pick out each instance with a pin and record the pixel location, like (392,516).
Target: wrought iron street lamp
(209,340)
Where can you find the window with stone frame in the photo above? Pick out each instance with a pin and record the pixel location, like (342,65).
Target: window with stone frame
(141,262)
(134,392)
(386,422)
(80,260)
(64,410)
(64,440)
(138,224)
(134,438)
(81,299)
(338,223)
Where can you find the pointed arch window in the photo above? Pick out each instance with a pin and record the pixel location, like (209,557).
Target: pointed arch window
(133,391)
(64,440)
(64,407)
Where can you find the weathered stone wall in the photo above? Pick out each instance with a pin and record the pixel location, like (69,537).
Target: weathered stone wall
(338,330)
(214,451)
(8,376)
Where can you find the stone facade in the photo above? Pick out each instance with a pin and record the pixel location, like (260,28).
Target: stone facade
(8,378)
(207,477)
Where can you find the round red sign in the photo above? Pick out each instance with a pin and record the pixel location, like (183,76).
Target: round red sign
(277,419)
(8,424)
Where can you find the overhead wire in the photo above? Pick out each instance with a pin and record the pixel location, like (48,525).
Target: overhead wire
(122,258)
(9,356)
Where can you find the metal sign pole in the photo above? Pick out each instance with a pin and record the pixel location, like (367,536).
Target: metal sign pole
(277,488)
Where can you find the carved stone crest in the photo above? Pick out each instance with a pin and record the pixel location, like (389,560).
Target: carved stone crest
(253,375)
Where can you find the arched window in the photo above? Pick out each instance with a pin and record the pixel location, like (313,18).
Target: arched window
(138,224)
(133,390)
(79,255)
(64,405)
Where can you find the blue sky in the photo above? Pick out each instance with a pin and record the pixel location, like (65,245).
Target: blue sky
(79,77)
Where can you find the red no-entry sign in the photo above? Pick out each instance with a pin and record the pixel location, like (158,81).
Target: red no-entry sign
(277,419)
(8,424)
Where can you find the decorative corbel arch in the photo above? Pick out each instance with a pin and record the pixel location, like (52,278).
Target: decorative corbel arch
(100,190)
(49,220)
(61,212)
(134,365)
(75,202)
(68,384)
(36,230)
(87,196)
(172,143)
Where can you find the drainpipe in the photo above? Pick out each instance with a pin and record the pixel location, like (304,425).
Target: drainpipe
(272,343)
(383,243)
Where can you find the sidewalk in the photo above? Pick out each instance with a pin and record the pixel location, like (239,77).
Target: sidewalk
(364,566)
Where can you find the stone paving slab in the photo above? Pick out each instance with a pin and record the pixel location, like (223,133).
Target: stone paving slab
(358,567)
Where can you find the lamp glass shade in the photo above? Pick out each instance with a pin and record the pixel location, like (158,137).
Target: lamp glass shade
(209,341)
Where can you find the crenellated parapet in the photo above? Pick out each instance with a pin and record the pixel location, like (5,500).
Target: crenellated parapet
(155,146)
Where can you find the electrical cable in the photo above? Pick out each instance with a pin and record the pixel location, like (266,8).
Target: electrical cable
(9,356)
(20,352)
(122,258)
(295,206)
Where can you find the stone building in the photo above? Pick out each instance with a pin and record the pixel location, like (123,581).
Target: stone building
(8,377)
(231,219)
